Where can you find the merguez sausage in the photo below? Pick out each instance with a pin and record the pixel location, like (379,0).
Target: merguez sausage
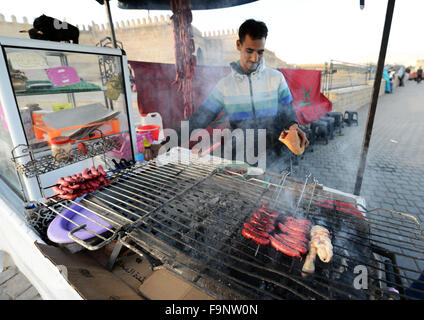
(279,246)
(299,221)
(251,228)
(255,237)
(62,182)
(57,190)
(102,172)
(271,214)
(292,244)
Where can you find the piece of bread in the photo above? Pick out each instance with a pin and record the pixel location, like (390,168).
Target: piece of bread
(292,140)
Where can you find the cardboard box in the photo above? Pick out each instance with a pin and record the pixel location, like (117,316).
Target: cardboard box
(90,279)
(165,285)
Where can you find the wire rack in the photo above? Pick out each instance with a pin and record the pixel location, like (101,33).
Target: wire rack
(190,216)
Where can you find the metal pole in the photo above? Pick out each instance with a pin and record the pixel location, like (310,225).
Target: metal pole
(109,17)
(376,89)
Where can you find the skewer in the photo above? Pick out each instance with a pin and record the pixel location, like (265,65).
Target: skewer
(257,249)
(310,200)
(281,183)
(303,190)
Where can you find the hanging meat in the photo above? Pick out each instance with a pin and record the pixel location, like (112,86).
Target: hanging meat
(184,48)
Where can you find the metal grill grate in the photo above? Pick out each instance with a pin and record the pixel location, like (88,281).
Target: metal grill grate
(190,217)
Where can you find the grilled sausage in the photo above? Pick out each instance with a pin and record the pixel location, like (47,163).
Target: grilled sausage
(67,189)
(297,227)
(263,218)
(282,247)
(255,237)
(292,244)
(271,214)
(94,171)
(261,225)
(102,172)
(297,235)
(68,196)
(57,190)
(86,175)
(288,238)
(251,228)
(62,182)
(75,186)
(299,221)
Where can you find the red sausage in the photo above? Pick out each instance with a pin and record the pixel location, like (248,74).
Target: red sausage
(256,223)
(75,186)
(86,175)
(101,170)
(271,214)
(297,227)
(69,179)
(288,238)
(57,190)
(67,189)
(298,235)
(256,215)
(93,183)
(255,237)
(279,246)
(299,221)
(265,207)
(251,228)
(94,171)
(262,218)
(62,182)
(294,244)
(68,196)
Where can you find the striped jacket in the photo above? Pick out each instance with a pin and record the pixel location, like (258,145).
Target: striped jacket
(259,100)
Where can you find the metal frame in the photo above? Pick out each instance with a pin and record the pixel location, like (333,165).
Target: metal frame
(155,209)
(32,189)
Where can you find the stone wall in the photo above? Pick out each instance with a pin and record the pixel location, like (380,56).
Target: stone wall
(352,98)
(152,40)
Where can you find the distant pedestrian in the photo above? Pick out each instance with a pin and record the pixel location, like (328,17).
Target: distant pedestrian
(401,75)
(407,73)
(419,74)
(386,76)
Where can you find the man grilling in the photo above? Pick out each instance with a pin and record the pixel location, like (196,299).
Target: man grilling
(253,97)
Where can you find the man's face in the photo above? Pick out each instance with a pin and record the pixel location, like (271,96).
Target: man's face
(251,53)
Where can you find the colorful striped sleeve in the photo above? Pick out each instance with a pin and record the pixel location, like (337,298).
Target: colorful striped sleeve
(286,113)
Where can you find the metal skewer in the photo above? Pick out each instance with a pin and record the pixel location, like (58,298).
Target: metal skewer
(281,183)
(257,249)
(303,190)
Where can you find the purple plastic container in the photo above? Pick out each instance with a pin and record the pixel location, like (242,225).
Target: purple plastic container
(59,228)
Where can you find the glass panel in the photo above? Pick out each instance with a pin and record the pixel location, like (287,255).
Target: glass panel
(67,94)
(7,170)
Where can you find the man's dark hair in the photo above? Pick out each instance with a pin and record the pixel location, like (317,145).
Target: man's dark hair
(255,29)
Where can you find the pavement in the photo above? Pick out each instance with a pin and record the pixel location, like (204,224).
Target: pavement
(395,160)
(392,179)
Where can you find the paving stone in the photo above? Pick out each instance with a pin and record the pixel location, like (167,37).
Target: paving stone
(8,274)
(16,285)
(29,294)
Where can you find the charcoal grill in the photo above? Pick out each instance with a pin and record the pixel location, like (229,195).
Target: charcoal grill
(188,217)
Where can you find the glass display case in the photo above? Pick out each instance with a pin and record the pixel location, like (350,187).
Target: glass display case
(63,108)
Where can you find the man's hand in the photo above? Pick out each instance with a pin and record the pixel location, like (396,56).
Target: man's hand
(151,152)
(303,140)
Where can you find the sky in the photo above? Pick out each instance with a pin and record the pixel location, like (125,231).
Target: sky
(299,31)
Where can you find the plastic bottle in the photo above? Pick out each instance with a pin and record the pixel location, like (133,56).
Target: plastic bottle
(153,118)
